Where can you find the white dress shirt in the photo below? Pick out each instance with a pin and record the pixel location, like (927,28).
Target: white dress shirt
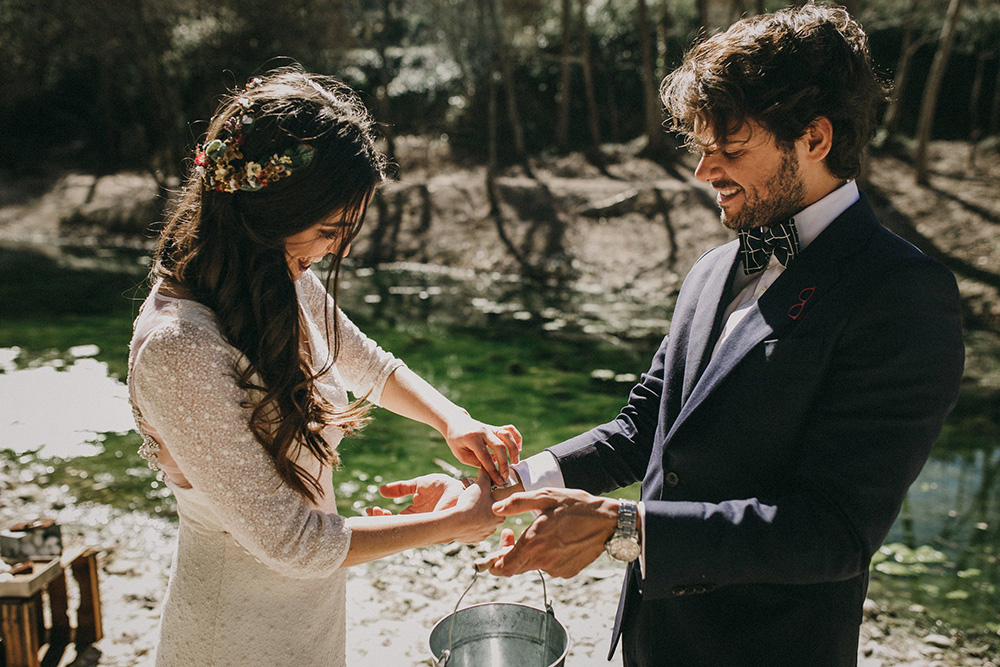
(542,470)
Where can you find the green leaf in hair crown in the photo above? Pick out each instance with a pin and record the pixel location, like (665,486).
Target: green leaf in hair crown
(301,156)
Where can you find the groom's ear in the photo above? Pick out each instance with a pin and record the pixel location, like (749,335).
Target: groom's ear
(817,140)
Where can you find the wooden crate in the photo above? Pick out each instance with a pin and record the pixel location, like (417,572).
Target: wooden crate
(22,623)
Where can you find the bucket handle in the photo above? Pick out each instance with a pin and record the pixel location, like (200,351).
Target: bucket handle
(446,654)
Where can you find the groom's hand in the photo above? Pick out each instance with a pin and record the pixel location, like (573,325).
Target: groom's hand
(567,535)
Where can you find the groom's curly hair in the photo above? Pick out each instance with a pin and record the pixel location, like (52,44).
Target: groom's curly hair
(782,71)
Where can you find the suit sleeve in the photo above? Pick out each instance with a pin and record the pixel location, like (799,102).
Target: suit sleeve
(616,454)
(891,378)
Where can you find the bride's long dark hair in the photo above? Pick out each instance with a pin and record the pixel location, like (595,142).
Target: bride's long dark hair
(227,250)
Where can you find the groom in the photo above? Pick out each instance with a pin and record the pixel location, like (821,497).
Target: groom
(808,370)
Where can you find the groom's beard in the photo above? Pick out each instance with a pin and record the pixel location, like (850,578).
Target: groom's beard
(783,195)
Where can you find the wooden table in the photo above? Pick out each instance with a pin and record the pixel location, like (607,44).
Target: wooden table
(22,621)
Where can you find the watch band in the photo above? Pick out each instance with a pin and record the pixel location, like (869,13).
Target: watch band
(624,544)
(628,518)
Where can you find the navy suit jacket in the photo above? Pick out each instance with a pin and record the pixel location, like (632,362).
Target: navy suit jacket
(772,472)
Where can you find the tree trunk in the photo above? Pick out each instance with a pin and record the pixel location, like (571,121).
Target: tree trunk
(611,100)
(891,119)
(651,96)
(492,190)
(995,112)
(664,29)
(385,78)
(934,79)
(507,76)
(588,79)
(975,131)
(703,15)
(562,126)
(491,127)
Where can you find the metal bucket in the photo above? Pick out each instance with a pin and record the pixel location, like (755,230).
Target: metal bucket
(499,634)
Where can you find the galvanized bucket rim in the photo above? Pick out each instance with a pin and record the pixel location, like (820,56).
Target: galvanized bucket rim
(548,611)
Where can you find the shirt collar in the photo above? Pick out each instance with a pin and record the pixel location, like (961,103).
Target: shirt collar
(813,219)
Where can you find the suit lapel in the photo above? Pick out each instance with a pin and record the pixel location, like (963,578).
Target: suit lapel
(785,303)
(707,318)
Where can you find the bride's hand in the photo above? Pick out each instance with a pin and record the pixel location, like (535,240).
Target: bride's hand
(474,511)
(430,493)
(488,447)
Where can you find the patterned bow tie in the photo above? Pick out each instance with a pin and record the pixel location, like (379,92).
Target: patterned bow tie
(757,245)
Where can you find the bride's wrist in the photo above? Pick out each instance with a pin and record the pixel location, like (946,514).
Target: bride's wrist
(452,524)
(455,417)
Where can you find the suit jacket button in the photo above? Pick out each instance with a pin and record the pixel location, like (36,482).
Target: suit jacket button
(672,479)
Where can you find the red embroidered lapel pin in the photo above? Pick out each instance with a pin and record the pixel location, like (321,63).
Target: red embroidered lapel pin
(795,312)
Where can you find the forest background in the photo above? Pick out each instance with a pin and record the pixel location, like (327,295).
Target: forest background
(108,85)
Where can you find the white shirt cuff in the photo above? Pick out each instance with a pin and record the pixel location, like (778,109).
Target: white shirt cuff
(642,539)
(539,471)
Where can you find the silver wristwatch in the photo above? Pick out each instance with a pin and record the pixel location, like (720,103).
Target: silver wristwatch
(624,544)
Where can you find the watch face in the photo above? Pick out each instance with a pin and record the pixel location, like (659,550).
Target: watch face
(624,549)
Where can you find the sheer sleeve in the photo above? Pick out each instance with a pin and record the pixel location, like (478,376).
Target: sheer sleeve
(363,366)
(186,389)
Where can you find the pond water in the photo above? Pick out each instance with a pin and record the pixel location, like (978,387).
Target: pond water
(550,362)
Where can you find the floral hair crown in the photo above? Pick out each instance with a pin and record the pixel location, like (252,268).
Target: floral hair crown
(221,164)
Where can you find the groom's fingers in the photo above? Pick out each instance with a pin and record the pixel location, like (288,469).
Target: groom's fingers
(513,560)
(488,562)
(524,502)
(406,487)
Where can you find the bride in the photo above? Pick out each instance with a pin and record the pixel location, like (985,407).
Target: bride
(240,368)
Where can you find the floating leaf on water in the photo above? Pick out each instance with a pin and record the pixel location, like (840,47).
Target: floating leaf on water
(927,554)
(903,554)
(80,351)
(940,641)
(895,569)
